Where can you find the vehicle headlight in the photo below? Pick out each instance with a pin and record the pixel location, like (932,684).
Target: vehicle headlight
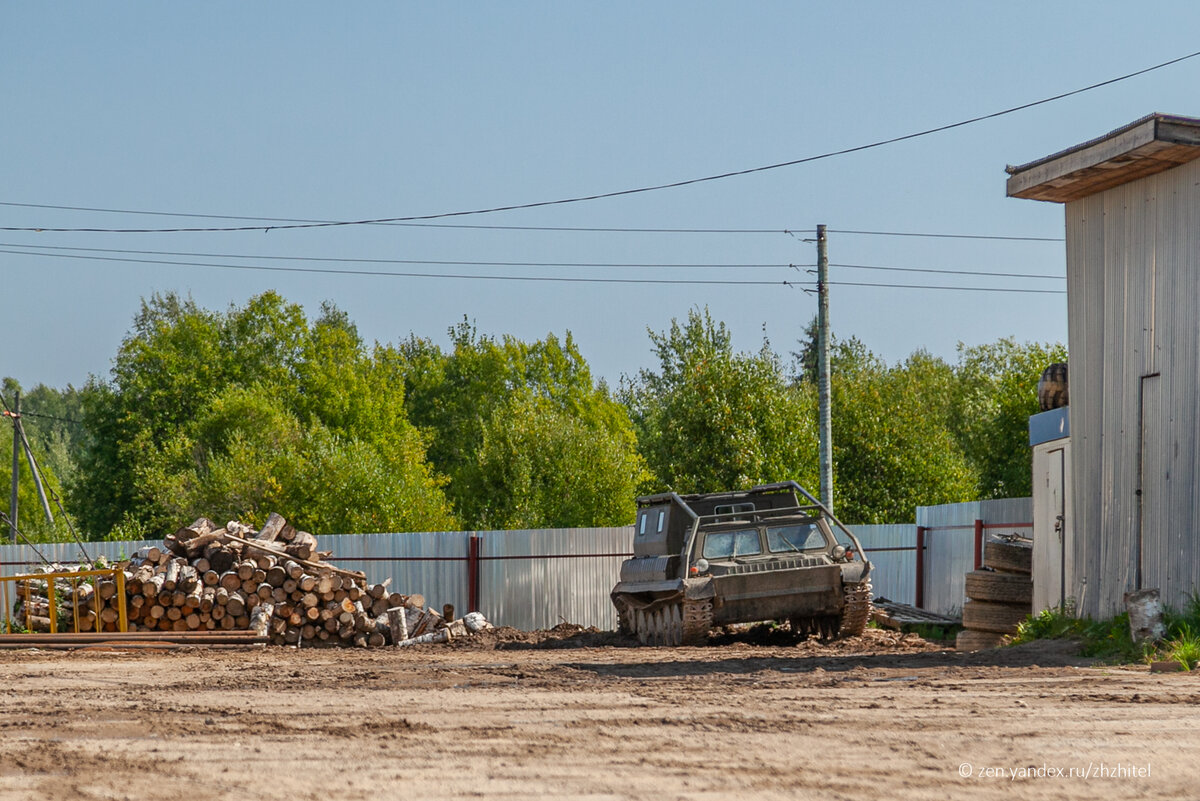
(839,551)
(701,565)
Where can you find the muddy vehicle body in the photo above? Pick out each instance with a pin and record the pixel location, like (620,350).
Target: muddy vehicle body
(769,553)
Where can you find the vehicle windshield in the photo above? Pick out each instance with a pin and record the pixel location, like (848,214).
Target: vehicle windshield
(732,544)
(795,537)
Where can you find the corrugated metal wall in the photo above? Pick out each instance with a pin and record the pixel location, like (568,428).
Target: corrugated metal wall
(1133,278)
(950,544)
(536,579)
(892,550)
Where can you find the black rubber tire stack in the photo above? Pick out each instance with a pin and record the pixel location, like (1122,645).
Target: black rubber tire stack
(999,596)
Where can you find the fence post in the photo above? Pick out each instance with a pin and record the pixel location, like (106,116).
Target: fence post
(978,544)
(473,573)
(920,587)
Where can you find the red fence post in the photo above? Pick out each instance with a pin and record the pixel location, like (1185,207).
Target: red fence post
(920,590)
(473,573)
(978,544)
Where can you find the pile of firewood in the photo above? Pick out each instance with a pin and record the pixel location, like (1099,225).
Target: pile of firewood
(232,578)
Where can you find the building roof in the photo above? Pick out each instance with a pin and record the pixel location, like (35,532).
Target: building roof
(1150,145)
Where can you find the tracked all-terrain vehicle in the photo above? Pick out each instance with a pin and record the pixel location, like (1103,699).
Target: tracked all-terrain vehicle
(770,553)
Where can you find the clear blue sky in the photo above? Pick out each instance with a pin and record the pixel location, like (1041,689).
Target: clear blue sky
(366,110)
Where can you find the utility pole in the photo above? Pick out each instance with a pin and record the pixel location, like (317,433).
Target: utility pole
(37,474)
(825,426)
(16,468)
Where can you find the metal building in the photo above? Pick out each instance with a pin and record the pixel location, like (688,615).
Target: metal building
(1132,202)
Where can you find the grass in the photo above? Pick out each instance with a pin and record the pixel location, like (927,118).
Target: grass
(1111,641)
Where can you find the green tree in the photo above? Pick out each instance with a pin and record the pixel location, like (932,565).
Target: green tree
(255,410)
(525,435)
(996,395)
(893,449)
(711,419)
(48,417)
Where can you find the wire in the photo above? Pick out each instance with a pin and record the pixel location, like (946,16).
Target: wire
(375,261)
(951,272)
(955,288)
(533,278)
(639,190)
(6,520)
(949,236)
(412,224)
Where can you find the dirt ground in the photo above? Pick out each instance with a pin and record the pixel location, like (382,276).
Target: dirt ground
(571,714)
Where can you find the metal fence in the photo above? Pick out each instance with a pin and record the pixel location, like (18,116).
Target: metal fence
(950,545)
(892,550)
(526,579)
(534,579)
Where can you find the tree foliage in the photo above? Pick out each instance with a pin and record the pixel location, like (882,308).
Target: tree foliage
(250,411)
(711,419)
(893,449)
(996,395)
(48,417)
(525,435)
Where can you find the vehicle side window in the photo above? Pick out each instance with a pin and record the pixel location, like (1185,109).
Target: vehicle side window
(798,537)
(732,544)
(662,517)
(642,524)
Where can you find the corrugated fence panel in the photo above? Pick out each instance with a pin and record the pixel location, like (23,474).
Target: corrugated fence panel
(537,579)
(892,550)
(950,544)
(431,563)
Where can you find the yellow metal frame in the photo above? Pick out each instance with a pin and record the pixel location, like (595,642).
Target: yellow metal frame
(73,576)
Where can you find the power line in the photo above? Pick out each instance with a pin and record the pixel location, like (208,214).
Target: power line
(952,272)
(326,271)
(513,263)
(639,190)
(570,228)
(950,236)
(953,288)
(376,261)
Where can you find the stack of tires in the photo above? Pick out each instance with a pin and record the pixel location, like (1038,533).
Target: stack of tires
(999,596)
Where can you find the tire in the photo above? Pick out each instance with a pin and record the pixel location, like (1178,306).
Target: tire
(993,617)
(977,640)
(1052,388)
(1008,557)
(1005,588)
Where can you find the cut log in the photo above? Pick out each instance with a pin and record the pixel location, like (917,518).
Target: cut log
(149,554)
(171,575)
(271,528)
(195,547)
(236,605)
(220,557)
(397,624)
(276,576)
(230,581)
